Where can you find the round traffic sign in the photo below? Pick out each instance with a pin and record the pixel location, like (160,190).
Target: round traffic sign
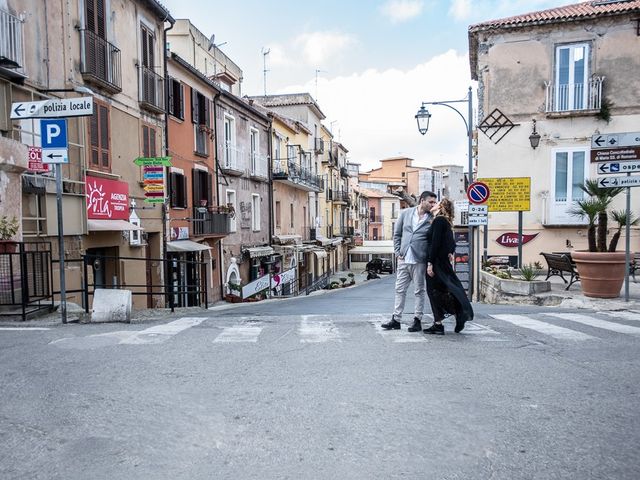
(478,192)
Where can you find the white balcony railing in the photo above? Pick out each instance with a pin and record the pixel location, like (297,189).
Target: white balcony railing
(11,45)
(575,96)
(258,165)
(232,157)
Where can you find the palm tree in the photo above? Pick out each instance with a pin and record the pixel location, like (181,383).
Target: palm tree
(622,217)
(602,198)
(589,208)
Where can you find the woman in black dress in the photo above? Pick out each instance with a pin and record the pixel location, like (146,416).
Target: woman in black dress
(446,294)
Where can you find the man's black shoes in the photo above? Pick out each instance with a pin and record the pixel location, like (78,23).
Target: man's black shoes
(417,325)
(391,325)
(435,329)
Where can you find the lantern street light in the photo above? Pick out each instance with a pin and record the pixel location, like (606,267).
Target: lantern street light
(422,118)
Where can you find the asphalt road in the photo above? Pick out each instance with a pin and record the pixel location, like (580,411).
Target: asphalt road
(312,388)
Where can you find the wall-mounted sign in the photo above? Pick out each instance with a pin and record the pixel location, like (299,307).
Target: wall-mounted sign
(478,192)
(509,194)
(179,233)
(256,286)
(283,278)
(107,199)
(153,177)
(510,239)
(35,161)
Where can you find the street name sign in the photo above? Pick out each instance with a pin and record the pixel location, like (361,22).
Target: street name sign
(616,154)
(153,161)
(153,177)
(615,140)
(53,108)
(476,220)
(611,182)
(509,194)
(618,167)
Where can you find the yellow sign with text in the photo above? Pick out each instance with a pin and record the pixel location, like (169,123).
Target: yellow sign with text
(508,194)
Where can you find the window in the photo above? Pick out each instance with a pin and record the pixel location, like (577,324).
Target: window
(100,157)
(177,190)
(255,212)
(253,146)
(200,113)
(202,188)
(394,213)
(278,214)
(572,74)
(231,200)
(96,17)
(148,41)
(230,159)
(176,99)
(570,169)
(291,211)
(148,141)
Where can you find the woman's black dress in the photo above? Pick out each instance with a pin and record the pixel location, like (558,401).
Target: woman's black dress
(446,294)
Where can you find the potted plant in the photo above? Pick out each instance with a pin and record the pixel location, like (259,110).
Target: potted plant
(601,267)
(8,229)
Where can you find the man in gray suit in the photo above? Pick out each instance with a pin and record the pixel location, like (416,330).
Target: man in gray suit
(410,247)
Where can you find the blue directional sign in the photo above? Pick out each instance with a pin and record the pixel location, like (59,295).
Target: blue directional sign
(54,133)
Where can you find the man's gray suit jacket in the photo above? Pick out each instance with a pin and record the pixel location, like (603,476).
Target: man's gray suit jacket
(405,237)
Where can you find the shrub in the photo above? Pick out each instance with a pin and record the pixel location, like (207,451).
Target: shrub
(529,272)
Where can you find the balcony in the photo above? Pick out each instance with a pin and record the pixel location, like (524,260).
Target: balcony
(232,160)
(258,166)
(100,62)
(289,172)
(11,45)
(341,197)
(210,223)
(346,231)
(376,218)
(309,234)
(319,145)
(344,173)
(576,97)
(151,90)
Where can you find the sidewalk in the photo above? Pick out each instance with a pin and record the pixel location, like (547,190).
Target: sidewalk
(574,298)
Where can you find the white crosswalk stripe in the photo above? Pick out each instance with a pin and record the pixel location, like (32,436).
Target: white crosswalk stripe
(550,329)
(239,334)
(623,315)
(395,336)
(318,331)
(161,333)
(597,323)
(482,332)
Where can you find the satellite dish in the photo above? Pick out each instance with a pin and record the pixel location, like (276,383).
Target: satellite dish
(212,41)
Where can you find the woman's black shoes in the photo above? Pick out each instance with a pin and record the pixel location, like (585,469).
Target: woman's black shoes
(459,325)
(435,329)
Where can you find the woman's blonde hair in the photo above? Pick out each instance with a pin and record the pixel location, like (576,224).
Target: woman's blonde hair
(446,209)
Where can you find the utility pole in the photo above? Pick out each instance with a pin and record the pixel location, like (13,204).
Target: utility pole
(265,52)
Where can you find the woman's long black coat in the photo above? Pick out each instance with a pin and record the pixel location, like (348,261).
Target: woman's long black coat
(441,243)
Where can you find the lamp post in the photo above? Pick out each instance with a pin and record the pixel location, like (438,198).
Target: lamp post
(422,117)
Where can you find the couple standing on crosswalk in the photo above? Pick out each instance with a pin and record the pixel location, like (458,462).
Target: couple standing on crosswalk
(424,246)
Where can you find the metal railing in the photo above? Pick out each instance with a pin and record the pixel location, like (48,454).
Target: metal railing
(288,169)
(376,218)
(100,61)
(11,46)
(346,231)
(309,285)
(309,233)
(258,164)
(574,96)
(232,158)
(151,89)
(210,222)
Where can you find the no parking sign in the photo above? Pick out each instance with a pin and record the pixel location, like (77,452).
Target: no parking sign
(478,192)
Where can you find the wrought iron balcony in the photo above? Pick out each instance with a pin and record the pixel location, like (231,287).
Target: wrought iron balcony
(344,172)
(207,221)
(258,166)
(100,62)
(309,234)
(341,197)
(11,46)
(346,231)
(574,96)
(232,163)
(151,90)
(376,218)
(288,171)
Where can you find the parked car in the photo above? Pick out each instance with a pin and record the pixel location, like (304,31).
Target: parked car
(379,265)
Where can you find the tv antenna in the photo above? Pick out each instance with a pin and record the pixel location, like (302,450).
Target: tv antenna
(317,72)
(265,52)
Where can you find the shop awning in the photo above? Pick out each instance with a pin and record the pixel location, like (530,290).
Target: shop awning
(255,252)
(336,241)
(323,241)
(186,246)
(111,226)
(320,253)
(287,239)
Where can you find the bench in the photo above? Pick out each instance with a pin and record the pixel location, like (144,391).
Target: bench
(635,265)
(560,263)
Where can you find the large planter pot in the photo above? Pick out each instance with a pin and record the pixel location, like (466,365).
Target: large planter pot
(601,273)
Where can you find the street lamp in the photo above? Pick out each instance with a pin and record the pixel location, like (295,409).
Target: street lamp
(422,118)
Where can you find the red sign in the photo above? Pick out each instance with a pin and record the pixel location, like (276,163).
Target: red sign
(510,239)
(107,199)
(35,160)
(478,192)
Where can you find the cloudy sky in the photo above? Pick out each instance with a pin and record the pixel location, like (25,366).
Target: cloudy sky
(368,63)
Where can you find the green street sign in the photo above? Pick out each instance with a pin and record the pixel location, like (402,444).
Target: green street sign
(163,161)
(154,200)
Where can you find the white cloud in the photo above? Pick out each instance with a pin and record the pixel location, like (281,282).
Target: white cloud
(277,55)
(400,11)
(375,111)
(460,9)
(318,47)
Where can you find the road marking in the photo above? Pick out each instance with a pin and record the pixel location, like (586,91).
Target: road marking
(634,317)
(484,333)
(161,333)
(597,323)
(239,334)
(23,328)
(397,336)
(554,331)
(318,331)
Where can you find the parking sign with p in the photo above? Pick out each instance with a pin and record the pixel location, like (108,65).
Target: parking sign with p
(54,140)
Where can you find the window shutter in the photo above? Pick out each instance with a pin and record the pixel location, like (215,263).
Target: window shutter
(152,142)
(183,179)
(210,189)
(104,135)
(95,138)
(195,187)
(100,19)
(91,15)
(145,141)
(194,106)
(180,112)
(173,190)
(207,110)
(170,94)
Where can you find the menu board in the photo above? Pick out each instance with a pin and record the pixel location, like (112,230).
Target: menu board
(461,256)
